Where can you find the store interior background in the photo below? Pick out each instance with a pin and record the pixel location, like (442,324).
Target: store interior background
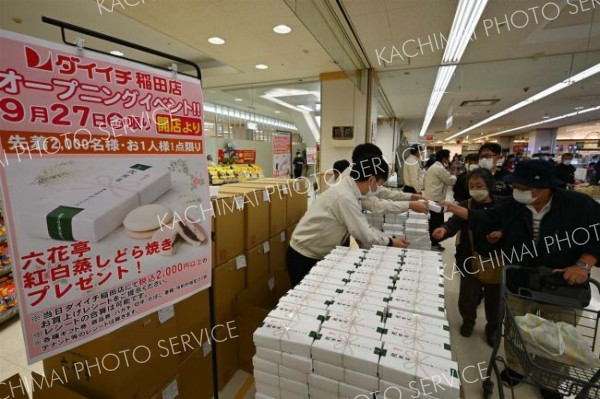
(326,72)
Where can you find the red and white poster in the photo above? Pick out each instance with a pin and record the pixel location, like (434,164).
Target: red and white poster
(282,154)
(311,155)
(235,156)
(105,186)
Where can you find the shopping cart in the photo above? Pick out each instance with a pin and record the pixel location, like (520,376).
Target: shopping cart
(540,371)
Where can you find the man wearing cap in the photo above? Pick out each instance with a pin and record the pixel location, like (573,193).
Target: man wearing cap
(542,225)
(413,172)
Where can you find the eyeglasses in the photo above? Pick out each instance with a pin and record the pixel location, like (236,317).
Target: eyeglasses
(486,156)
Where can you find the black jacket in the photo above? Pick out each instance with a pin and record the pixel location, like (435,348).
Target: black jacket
(502,189)
(461,189)
(571,228)
(456,225)
(565,173)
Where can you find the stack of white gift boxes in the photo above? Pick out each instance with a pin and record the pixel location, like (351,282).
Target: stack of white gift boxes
(362,321)
(412,226)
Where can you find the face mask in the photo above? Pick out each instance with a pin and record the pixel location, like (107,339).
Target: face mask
(487,163)
(472,167)
(372,193)
(523,196)
(478,195)
(567,162)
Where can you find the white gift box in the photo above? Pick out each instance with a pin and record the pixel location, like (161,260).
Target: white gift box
(435,295)
(320,384)
(285,336)
(288,311)
(368,298)
(328,280)
(265,366)
(363,311)
(293,374)
(420,296)
(417,322)
(267,384)
(350,304)
(313,287)
(346,375)
(433,285)
(93,208)
(347,350)
(429,374)
(418,340)
(306,299)
(300,363)
(376,286)
(261,396)
(351,391)
(426,309)
(365,327)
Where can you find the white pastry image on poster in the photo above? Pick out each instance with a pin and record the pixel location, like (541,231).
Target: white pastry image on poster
(282,154)
(89,227)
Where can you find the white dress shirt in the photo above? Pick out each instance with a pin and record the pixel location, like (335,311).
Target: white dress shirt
(437,181)
(336,214)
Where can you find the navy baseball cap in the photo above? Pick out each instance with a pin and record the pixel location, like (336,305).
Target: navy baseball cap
(534,173)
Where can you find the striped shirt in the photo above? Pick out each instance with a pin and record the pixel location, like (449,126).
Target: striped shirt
(537,218)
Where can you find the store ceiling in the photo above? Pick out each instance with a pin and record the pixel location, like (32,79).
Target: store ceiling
(509,66)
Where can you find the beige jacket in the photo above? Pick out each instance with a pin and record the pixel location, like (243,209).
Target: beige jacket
(334,216)
(412,173)
(437,181)
(387,201)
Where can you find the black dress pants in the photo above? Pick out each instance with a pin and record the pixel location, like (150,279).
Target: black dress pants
(298,265)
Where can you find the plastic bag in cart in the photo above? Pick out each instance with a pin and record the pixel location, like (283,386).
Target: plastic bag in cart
(558,341)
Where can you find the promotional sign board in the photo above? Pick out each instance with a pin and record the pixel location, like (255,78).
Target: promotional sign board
(282,154)
(101,159)
(311,155)
(247,157)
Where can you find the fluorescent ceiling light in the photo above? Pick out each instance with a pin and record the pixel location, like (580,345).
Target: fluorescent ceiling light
(261,66)
(246,116)
(545,121)
(465,20)
(238,100)
(282,29)
(274,94)
(277,112)
(441,82)
(216,40)
(117,53)
(544,93)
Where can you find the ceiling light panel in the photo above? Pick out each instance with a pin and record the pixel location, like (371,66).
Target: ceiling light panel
(216,40)
(282,29)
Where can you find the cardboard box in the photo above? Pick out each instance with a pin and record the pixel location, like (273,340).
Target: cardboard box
(145,336)
(14,388)
(277,201)
(227,356)
(289,231)
(254,304)
(229,233)
(297,197)
(193,379)
(228,281)
(277,261)
(256,213)
(257,260)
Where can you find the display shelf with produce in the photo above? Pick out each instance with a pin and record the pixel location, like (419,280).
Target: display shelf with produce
(8,293)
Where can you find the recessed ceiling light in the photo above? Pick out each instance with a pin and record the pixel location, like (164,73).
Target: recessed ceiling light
(277,112)
(261,66)
(578,108)
(216,40)
(238,99)
(117,53)
(282,29)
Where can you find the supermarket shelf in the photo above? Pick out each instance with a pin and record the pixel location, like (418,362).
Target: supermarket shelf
(8,314)
(5,270)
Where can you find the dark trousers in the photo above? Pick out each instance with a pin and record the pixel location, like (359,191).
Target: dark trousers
(468,300)
(435,221)
(298,265)
(409,189)
(297,173)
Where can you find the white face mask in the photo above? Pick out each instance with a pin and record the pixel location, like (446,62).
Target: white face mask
(523,196)
(472,167)
(479,195)
(567,162)
(487,163)
(372,193)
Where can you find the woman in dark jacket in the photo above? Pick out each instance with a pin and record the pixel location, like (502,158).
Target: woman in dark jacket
(481,184)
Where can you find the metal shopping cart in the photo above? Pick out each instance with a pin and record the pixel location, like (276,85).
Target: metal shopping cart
(537,288)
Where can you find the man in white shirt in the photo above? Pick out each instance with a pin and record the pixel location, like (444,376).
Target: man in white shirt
(412,171)
(385,200)
(437,181)
(335,215)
